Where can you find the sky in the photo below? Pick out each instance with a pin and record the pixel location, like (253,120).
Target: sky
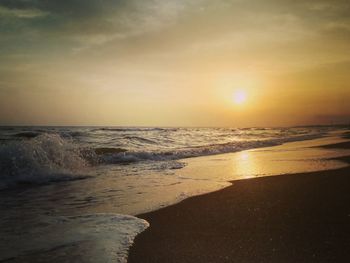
(174,62)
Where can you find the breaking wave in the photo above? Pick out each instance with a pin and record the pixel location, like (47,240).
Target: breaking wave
(42,159)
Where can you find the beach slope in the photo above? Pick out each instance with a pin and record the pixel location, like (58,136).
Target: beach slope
(290,218)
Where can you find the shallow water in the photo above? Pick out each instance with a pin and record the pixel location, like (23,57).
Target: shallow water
(83,238)
(89,220)
(290,158)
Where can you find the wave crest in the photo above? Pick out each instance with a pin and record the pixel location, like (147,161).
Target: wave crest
(45,158)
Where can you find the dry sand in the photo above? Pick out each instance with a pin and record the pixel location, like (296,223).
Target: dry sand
(289,218)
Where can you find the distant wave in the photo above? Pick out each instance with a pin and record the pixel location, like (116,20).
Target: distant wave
(43,159)
(126,129)
(26,134)
(136,156)
(75,134)
(107,150)
(140,139)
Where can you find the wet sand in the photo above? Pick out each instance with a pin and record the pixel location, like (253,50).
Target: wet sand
(291,218)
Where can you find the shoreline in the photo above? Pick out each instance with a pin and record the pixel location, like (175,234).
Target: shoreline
(266,219)
(99,198)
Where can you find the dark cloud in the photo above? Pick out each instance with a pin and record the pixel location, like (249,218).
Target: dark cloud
(18,4)
(63,17)
(76,8)
(32,26)
(70,25)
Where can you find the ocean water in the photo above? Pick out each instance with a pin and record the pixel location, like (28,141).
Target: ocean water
(74,191)
(41,155)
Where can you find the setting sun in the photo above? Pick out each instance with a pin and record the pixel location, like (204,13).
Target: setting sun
(114,111)
(239,97)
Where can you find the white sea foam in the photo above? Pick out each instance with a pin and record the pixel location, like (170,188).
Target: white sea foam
(45,158)
(87,238)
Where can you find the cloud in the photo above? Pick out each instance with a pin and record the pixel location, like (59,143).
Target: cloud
(169,31)
(76,8)
(99,16)
(80,24)
(114,29)
(22,13)
(167,47)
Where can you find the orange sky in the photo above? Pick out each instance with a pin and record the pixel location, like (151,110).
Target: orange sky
(174,63)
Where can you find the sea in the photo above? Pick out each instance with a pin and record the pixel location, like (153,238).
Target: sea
(72,194)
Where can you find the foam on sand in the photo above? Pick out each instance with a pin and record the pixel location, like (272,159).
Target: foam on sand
(84,238)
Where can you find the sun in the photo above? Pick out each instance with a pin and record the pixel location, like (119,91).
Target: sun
(239,96)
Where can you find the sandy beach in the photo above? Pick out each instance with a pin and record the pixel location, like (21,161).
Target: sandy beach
(174,131)
(291,218)
(51,213)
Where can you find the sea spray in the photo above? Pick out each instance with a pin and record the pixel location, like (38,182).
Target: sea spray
(43,159)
